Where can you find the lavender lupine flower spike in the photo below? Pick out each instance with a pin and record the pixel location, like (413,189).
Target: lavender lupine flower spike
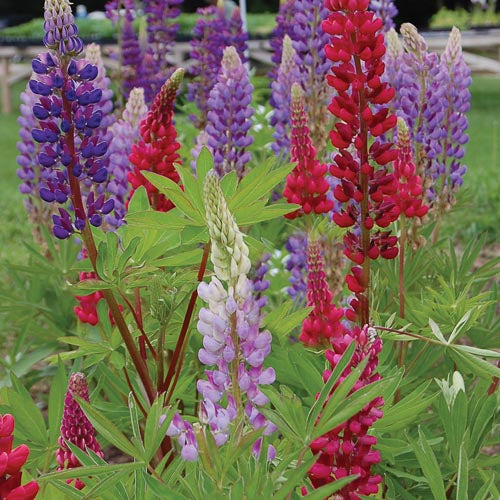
(281,89)
(125,133)
(458,97)
(309,41)
(296,246)
(284,26)
(69,120)
(229,118)
(386,10)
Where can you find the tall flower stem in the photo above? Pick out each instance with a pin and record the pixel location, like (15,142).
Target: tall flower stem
(90,245)
(402,242)
(173,371)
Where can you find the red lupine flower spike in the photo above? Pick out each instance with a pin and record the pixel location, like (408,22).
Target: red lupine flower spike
(306,184)
(324,321)
(76,427)
(157,151)
(11,462)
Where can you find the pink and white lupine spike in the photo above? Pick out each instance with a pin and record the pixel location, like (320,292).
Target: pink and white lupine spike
(76,427)
(324,322)
(348,449)
(306,184)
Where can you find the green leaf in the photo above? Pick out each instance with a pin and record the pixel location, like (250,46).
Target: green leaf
(294,478)
(474,364)
(436,331)
(91,470)
(173,192)
(109,430)
(150,219)
(463,475)
(204,164)
(139,201)
(429,465)
(336,373)
(459,326)
(482,493)
(328,489)
(258,213)
(56,401)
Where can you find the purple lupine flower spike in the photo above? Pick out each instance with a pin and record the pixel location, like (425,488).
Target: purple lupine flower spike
(458,97)
(114,9)
(132,63)
(309,40)
(76,427)
(281,89)
(69,121)
(211,34)
(296,246)
(386,10)
(161,33)
(229,118)
(259,282)
(125,133)
(284,26)
(61,33)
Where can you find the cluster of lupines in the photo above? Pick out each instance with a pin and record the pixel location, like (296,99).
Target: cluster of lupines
(366,187)
(157,149)
(211,35)
(296,264)
(161,33)
(229,116)
(433,98)
(75,427)
(324,323)
(348,449)
(306,184)
(125,134)
(232,341)
(281,89)
(11,462)
(69,119)
(386,10)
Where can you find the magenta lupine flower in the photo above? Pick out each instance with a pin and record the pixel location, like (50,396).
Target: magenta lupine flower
(68,123)
(161,33)
(281,89)
(229,116)
(76,427)
(284,26)
(296,263)
(125,133)
(386,10)
(348,449)
(211,35)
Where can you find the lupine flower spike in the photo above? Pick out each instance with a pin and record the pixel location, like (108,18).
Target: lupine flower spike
(284,27)
(211,35)
(386,10)
(306,184)
(232,342)
(69,119)
(348,449)
(75,427)
(281,89)
(11,462)
(229,116)
(157,150)
(366,187)
(296,263)
(323,324)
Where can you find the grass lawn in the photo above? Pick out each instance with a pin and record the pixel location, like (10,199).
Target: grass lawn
(479,201)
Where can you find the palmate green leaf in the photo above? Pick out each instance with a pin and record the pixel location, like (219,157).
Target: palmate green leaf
(328,489)
(460,326)
(429,465)
(173,192)
(336,373)
(436,331)
(484,492)
(294,477)
(257,212)
(181,258)
(56,401)
(109,430)
(139,201)
(68,490)
(473,364)
(204,164)
(405,411)
(482,423)
(281,322)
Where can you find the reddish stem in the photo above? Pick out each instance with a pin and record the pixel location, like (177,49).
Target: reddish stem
(179,348)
